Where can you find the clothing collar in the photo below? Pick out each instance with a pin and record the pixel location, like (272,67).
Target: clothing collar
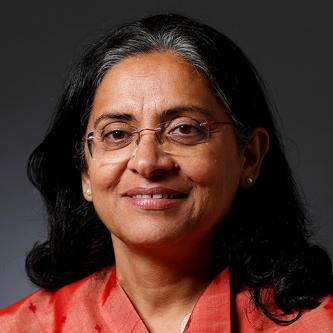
(210,314)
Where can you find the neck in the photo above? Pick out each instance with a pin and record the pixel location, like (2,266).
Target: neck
(158,281)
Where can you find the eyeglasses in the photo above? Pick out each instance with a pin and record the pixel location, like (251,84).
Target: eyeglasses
(117,140)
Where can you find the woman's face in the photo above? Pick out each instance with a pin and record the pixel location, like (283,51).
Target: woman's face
(197,186)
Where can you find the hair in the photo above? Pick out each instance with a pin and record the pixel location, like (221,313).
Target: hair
(265,240)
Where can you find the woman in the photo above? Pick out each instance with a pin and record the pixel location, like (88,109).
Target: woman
(164,140)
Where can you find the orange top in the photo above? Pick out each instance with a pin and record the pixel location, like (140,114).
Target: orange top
(97,304)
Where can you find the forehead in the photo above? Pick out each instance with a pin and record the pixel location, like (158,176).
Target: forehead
(145,86)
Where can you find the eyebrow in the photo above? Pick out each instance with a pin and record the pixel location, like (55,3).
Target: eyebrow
(184,108)
(114,115)
(165,114)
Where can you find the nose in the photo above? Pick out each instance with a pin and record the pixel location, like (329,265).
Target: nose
(149,160)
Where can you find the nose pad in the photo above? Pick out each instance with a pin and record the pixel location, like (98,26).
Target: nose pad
(148,158)
(156,134)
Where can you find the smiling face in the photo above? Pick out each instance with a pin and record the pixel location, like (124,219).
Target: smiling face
(153,197)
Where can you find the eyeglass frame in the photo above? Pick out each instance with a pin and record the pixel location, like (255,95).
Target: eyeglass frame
(158,131)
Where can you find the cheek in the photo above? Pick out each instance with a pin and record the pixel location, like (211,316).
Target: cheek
(105,176)
(104,179)
(215,179)
(215,168)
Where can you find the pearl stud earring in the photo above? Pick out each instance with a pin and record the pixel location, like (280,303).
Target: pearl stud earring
(249,180)
(88,191)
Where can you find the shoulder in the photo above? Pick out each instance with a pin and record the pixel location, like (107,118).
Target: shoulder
(43,309)
(251,319)
(319,320)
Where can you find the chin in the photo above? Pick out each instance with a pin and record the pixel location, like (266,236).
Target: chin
(150,238)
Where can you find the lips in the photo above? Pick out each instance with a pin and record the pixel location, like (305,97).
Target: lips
(156,198)
(156,192)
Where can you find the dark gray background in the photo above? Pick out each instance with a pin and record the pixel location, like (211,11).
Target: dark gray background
(290,43)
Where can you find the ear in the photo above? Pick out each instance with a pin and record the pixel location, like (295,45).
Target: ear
(86,187)
(254,153)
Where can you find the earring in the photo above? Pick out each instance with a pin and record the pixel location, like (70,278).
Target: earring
(249,180)
(88,191)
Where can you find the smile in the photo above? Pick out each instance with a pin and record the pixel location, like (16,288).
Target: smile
(154,193)
(157,196)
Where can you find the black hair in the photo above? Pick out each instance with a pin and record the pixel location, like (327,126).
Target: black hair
(264,240)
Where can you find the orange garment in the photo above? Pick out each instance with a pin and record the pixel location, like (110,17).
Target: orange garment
(97,304)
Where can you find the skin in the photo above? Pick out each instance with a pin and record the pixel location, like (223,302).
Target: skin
(164,257)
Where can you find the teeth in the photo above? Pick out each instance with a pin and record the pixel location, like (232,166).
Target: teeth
(153,196)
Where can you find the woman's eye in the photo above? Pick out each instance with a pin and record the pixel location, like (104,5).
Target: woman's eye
(115,136)
(187,134)
(116,133)
(185,129)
